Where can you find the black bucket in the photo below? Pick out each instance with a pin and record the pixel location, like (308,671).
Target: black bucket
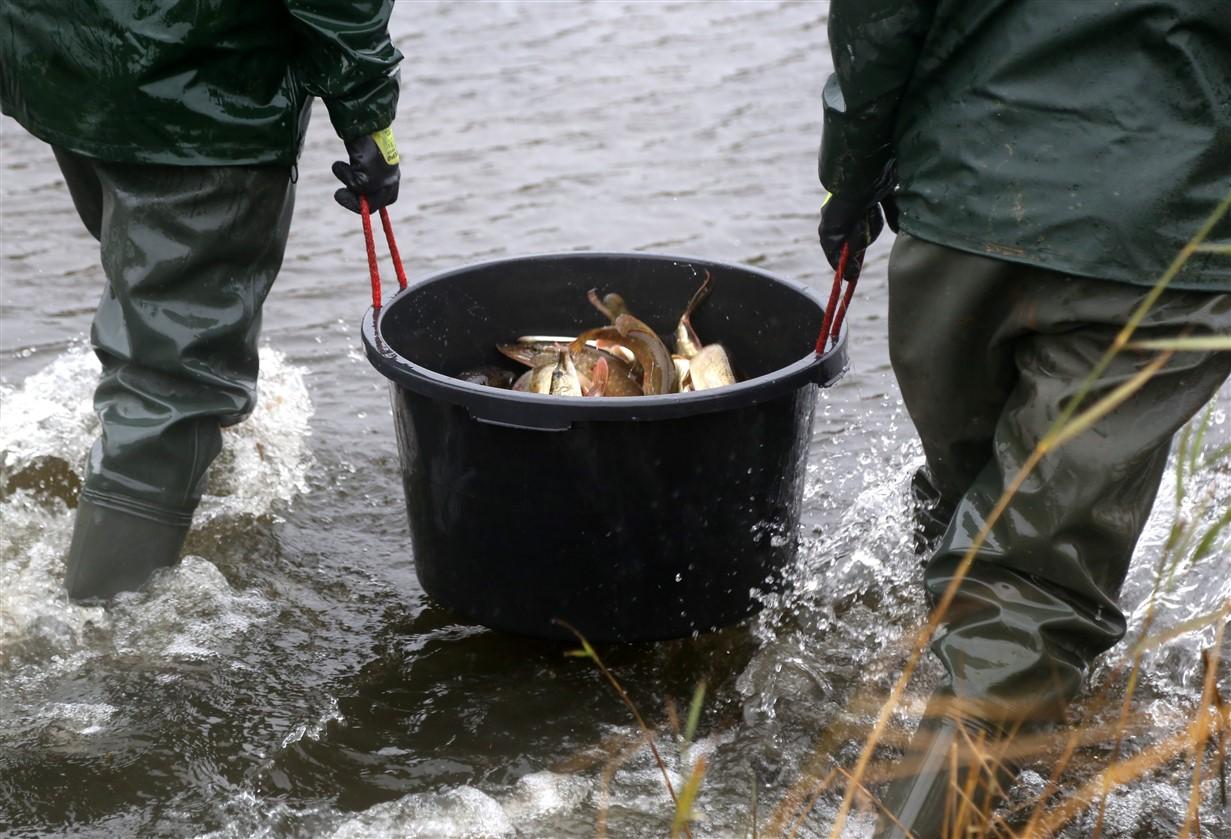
(630,518)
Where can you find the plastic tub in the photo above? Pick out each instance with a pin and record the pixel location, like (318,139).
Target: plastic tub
(630,518)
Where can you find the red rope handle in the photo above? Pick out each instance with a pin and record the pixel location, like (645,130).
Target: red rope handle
(840,317)
(393,247)
(373,267)
(831,323)
(370,241)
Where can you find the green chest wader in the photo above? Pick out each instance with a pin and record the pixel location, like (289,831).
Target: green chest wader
(986,353)
(189,253)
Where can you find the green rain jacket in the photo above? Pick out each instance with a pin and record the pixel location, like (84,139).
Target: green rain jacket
(195,82)
(1090,137)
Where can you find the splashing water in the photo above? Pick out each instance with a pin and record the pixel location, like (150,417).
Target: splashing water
(462,812)
(839,630)
(1199,588)
(857,601)
(47,426)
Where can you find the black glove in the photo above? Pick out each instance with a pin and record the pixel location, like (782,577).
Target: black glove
(372,172)
(857,223)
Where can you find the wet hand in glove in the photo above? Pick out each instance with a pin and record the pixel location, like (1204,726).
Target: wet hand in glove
(857,221)
(371,172)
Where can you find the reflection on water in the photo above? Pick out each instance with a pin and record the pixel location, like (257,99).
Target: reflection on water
(289,678)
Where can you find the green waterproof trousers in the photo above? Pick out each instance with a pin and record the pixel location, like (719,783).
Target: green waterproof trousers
(189,252)
(986,353)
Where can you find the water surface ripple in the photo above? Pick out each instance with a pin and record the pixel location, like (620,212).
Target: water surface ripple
(290,678)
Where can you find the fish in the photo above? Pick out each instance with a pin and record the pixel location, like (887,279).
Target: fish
(611,305)
(658,371)
(545,339)
(626,358)
(540,378)
(687,343)
(710,368)
(564,380)
(615,348)
(622,379)
(534,352)
(488,376)
(598,379)
(682,373)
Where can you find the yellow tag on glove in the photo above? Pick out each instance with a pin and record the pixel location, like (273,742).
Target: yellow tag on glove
(388,148)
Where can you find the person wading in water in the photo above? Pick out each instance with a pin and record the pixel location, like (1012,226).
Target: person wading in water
(1043,164)
(177,126)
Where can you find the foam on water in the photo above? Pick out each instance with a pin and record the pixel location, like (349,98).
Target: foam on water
(83,718)
(462,812)
(458,812)
(542,794)
(51,414)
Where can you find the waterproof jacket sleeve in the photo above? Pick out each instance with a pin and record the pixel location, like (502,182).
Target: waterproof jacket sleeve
(875,44)
(345,57)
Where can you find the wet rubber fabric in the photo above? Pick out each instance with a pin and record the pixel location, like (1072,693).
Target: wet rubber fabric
(195,82)
(1092,138)
(113,551)
(189,255)
(959,771)
(986,353)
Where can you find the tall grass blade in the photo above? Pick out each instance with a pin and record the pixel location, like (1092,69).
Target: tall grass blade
(1184,628)
(1181,465)
(1206,546)
(694,712)
(1203,425)
(1196,343)
(588,652)
(1201,733)
(683,807)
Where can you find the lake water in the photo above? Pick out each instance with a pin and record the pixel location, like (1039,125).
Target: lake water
(290,678)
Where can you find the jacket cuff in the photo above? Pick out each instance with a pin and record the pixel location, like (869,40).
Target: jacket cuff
(366,109)
(856,147)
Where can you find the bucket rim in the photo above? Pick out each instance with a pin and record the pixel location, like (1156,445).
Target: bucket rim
(536,411)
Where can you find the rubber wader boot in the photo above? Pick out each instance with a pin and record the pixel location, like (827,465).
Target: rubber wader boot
(114,551)
(955,776)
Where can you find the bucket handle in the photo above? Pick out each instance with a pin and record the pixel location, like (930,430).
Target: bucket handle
(370,241)
(520,421)
(831,324)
